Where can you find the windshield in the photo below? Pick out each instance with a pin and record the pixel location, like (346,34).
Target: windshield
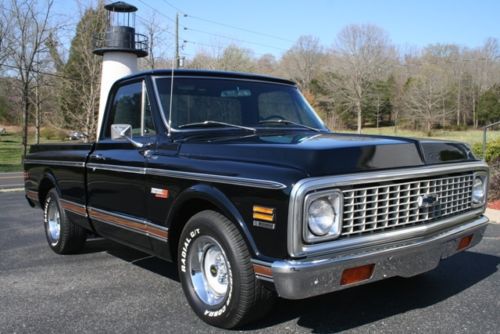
(207,102)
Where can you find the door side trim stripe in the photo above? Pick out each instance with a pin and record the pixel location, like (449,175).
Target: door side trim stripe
(73,207)
(55,163)
(32,195)
(239,181)
(135,225)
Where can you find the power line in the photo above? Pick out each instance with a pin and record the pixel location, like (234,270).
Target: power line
(233,39)
(185,28)
(238,28)
(174,7)
(157,11)
(217,46)
(145,22)
(185,14)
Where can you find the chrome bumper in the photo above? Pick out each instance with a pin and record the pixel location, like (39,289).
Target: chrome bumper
(298,279)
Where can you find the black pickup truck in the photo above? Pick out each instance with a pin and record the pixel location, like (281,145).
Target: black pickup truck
(236,179)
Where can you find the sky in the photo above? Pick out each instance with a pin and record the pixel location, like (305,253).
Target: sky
(272,26)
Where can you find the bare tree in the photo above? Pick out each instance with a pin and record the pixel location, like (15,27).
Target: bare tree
(30,31)
(484,68)
(267,64)
(5,28)
(424,96)
(362,54)
(235,58)
(304,61)
(203,60)
(158,42)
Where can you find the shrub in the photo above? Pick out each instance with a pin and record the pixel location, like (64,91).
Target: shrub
(52,133)
(494,191)
(492,150)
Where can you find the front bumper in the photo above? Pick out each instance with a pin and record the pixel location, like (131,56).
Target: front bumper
(298,279)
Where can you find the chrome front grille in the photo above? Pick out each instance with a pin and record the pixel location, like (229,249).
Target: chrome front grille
(396,205)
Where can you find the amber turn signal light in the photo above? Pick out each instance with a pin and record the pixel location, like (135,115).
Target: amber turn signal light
(464,242)
(357,274)
(263,213)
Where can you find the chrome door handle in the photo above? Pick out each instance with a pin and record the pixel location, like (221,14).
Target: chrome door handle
(150,154)
(98,157)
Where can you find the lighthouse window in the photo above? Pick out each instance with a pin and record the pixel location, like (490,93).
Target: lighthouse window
(131,106)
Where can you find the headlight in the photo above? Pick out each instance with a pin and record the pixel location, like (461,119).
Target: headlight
(479,188)
(322,215)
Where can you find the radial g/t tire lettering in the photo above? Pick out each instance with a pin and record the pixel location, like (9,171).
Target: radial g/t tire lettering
(216,272)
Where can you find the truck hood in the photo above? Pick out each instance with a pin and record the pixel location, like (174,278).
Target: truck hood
(320,154)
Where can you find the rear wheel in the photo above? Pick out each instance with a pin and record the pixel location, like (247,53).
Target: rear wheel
(63,236)
(216,272)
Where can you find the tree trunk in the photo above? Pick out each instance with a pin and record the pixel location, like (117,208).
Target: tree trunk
(444,115)
(26,107)
(378,109)
(459,99)
(474,120)
(37,115)
(360,120)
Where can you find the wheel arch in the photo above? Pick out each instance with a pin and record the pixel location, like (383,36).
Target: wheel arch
(47,182)
(196,199)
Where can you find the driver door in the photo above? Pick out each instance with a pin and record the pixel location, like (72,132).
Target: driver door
(116,179)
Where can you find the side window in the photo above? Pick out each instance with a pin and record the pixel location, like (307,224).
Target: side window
(131,106)
(148,124)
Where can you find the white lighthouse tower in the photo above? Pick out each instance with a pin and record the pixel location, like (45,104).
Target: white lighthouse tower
(120,46)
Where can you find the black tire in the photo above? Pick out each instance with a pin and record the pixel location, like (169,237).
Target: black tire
(71,237)
(246,298)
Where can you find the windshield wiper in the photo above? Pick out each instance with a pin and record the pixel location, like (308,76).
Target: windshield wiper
(285,121)
(214,123)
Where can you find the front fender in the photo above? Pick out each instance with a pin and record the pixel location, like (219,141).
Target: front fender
(218,199)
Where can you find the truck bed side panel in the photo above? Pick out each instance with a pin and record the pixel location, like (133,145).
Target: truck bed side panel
(64,165)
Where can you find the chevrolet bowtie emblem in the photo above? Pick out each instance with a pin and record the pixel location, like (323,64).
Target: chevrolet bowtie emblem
(427,200)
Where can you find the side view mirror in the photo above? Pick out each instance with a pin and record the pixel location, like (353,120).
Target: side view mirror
(124,131)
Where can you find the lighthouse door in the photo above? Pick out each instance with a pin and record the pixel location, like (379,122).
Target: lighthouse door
(116,178)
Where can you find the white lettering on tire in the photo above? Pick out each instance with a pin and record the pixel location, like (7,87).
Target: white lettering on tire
(46,209)
(184,252)
(185,247)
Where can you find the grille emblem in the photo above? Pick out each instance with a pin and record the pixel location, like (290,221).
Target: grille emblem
(427,201)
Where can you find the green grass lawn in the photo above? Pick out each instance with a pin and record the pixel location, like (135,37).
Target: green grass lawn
(469,136)
(11,151)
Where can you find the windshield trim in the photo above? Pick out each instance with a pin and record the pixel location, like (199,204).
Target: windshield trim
(171,130)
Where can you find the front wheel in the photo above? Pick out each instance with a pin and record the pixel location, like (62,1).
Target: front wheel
(216,272)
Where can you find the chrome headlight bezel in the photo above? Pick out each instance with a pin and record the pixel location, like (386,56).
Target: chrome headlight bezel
(336,200)
(483,176)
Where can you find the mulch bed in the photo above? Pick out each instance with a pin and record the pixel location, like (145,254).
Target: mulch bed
(494,205)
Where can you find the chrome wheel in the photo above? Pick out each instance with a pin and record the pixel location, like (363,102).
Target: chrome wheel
(53,223)
(209,270)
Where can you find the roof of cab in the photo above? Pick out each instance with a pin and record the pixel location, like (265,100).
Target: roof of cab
(207,73)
